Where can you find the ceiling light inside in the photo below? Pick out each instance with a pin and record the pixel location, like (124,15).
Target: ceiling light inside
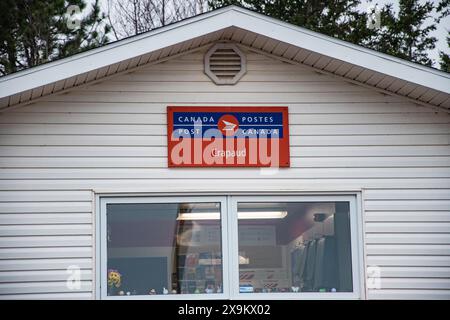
(241,215)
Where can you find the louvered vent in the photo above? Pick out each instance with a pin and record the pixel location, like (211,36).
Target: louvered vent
(225,63)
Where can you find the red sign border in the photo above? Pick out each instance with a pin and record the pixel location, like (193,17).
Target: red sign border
(285,140)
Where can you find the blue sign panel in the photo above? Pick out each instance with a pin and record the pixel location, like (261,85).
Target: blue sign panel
(230,124)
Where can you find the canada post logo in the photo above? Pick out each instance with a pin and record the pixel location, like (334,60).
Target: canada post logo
(228,136)
(228,125)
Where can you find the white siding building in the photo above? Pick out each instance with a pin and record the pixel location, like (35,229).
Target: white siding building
(85,132)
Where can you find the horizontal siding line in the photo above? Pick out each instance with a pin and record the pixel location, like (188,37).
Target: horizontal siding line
(243,80)
(349,123)
(406,263)
(305,108)
(290,112)
(47,293)
(408,210)
(164,137)
(370,220)
(164,124)
(41,224)
(412,278)
(382,291)
(400,200)
(164,157)
(231,104)
(165,145)
(47,258)
(369,148)
(51,258)
(42,270)
(406,222)
(397,265)
(292,107)
(90,234)
(46,235)
(408,244)
(56,201)
(225,178)
(64,191)
(81,260)
(232,178)
(403,221)
(44,281)
(46,224)
(257,97)
(349,91)
(165,167)
(6,281)
(160,135)
(382,189)
(405,258)
(225,103)
(239,185)
(405,255)
(195,173)
(215,191)
(48,247)
(406,233)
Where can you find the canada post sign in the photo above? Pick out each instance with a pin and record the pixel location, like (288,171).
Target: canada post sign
(228,136)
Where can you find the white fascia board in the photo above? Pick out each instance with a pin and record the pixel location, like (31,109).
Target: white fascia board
(114,53)
(342,50)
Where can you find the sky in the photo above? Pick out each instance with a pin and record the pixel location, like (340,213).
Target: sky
(440,33)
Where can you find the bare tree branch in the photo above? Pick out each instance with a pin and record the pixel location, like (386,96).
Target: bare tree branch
(130,17)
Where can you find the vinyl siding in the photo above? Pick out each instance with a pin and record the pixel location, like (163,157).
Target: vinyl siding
(112,136)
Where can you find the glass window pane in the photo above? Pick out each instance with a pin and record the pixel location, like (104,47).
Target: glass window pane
(294,247)
(164,248)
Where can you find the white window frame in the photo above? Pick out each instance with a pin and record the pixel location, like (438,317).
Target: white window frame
(230,246)
(355,235)
(102,253)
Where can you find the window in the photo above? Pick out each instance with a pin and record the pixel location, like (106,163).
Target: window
(294,247)
(220,247)
(165,248)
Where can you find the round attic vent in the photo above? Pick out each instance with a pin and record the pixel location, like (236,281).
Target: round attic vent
(225,63)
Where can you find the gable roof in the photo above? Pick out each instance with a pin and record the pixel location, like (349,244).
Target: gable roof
(283,40)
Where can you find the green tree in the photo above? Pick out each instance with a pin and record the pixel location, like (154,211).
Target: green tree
(33,32)
(445,57)
(336,18)
(406,34)
(443,9)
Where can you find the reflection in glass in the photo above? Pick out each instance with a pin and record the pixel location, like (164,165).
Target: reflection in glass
(164,248)
(294,247)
